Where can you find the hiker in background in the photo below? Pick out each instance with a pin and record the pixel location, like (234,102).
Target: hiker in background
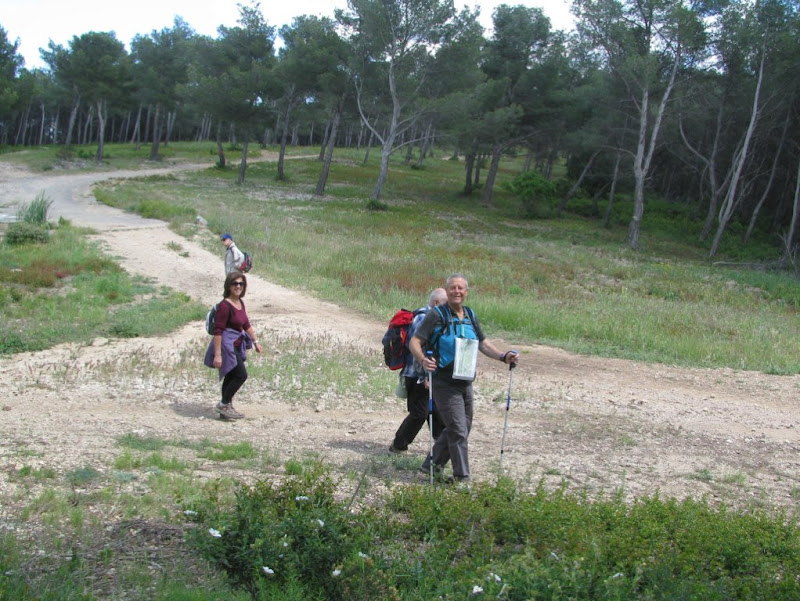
(416,386)
(233,337)
(233,256)
(454,335)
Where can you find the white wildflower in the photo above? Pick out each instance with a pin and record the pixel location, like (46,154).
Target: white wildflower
(189,512)
(321,523)
(476,590)
(301,498)
(336,572)
(268,570)
(493,576)
(214,532)
(363,555)
(285,544)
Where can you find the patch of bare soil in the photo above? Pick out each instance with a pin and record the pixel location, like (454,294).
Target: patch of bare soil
(602,425)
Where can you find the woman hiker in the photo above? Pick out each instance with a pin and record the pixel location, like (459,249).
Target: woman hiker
(233,337)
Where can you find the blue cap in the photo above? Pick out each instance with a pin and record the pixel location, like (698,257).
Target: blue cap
(226,237)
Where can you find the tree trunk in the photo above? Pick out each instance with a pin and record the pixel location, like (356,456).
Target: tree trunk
(137,127)
(41,124)
(497,152)
(577,184)
(369,147)
(220,148)
(147,124)
(170,124)
(87,126)
(469,164)
(243,164)
(324,146)
(101,129)
(788,249)
(610,205)
(427,142)
(326,166)
(156,135)
(757,209)
(731,199)
(284,138)
(73,115)
(644,158)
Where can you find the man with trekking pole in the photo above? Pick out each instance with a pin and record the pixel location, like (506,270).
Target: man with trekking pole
(453,333)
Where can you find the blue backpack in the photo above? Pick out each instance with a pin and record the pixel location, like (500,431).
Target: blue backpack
(444,337)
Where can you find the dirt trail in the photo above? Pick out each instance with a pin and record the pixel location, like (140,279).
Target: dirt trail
(598,424)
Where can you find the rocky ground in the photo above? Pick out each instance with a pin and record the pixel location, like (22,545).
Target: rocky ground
(600,425)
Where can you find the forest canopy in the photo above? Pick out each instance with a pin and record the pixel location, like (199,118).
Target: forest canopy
(692,102)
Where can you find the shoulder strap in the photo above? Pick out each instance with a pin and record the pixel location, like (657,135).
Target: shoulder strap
(229,308)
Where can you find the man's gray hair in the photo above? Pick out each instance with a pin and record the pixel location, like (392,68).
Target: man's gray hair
(457,276)
(438,296)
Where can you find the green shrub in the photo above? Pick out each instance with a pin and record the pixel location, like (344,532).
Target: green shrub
(534,190)
(23,232)
(36,211)
(274,536)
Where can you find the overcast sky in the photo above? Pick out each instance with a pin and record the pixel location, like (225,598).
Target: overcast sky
(35,22)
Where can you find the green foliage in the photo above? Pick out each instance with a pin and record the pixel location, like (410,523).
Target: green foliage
(536,192)
(22,232)
(36,211)
(83,475)
(434,542)
(566,282)
(94,297)
(277,535)
(229,452)
(377,205)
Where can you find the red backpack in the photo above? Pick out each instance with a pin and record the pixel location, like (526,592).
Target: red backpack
(394,340)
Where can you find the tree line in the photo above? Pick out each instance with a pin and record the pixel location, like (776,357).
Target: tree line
(692,101)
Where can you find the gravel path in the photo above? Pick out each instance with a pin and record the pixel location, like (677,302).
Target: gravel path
(601,425)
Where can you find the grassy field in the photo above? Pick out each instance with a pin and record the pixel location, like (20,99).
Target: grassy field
(146,527)
(565,282)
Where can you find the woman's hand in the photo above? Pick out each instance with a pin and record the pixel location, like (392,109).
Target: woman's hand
(257,346)
(217,361)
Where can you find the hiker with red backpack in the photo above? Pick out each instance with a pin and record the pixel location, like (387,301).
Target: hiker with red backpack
(415,384)
(235,259)
(454,335)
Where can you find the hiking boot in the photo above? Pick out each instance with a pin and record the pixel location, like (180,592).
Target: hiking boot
(394,449)
(238,414)
(438,470)
(227,412)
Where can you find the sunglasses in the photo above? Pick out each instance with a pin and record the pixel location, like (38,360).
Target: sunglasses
(237,284)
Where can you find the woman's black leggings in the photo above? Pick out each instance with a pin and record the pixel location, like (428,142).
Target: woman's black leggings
(233,380)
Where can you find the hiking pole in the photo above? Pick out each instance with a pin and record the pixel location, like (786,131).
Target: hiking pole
(508,407)
(430,416)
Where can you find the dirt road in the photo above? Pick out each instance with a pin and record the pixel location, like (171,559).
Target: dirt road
(596,424)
